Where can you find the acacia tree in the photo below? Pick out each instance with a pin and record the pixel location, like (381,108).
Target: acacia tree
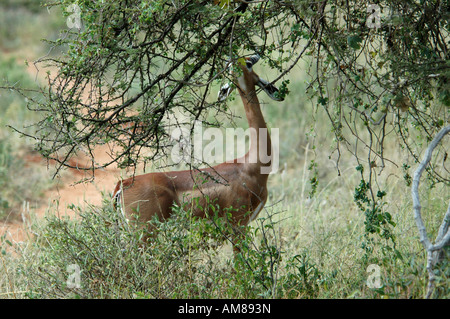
(127,66)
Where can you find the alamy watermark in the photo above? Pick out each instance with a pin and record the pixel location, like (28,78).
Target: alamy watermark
(374,278)
(74,277)
(378,14)
(212,146)
(73,21)
(374,18)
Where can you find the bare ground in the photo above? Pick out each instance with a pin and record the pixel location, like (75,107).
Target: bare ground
(68,191)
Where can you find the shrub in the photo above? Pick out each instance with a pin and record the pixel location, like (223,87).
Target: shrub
(99,255)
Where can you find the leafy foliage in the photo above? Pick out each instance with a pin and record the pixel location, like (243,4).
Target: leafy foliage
(178,262)
(378,222)
(129,66)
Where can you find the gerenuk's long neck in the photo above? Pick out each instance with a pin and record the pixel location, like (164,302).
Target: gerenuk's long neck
(260,143)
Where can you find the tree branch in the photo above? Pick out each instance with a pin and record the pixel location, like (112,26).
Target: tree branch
(443,237)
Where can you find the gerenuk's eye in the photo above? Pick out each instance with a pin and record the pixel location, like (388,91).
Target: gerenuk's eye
(249,65)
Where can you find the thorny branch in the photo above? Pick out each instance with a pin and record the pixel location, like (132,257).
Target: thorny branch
(138,69)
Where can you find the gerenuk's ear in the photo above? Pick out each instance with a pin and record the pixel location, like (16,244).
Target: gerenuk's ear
(270,89)
(224,91)
(253,59)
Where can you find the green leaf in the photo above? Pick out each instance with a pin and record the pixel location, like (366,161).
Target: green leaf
(381,194)
(323,100)
(354,41)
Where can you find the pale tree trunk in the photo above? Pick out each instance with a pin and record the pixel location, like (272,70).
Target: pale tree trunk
(434,251)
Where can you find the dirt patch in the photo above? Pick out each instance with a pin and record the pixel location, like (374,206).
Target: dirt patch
(69,190)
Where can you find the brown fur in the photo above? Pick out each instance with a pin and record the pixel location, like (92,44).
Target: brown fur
(238,184)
